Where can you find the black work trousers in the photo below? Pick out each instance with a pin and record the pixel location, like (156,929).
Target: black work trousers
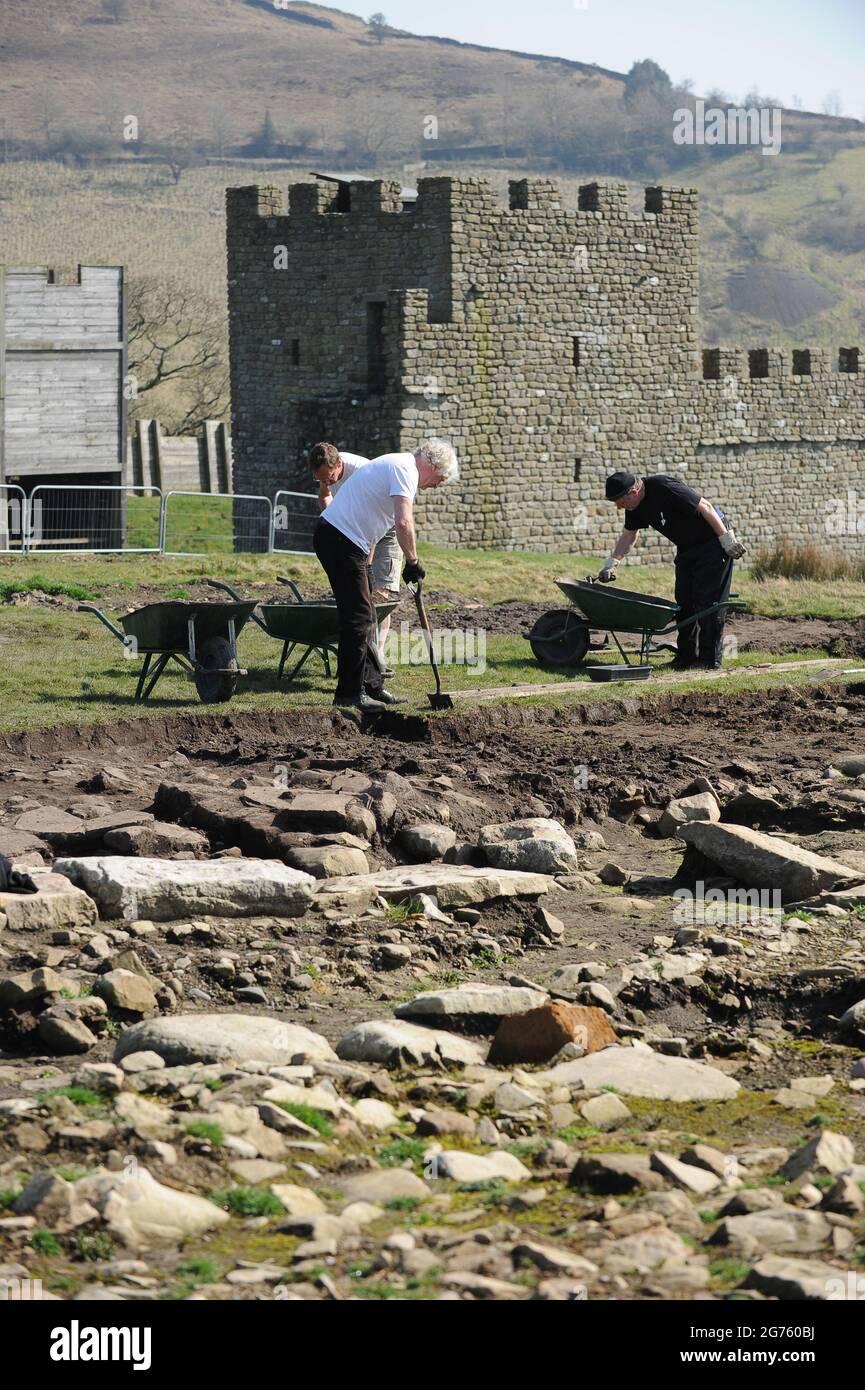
(704,575)
(346,566)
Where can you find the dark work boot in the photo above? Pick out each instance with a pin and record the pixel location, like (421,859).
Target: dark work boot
(362,702)
(385,697)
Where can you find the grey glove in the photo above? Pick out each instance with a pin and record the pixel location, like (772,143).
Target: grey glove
(731,545)
(607,575)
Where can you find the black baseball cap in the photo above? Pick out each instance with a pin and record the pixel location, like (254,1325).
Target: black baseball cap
(618,484)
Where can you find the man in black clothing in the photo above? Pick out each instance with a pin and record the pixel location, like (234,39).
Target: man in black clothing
(706,549)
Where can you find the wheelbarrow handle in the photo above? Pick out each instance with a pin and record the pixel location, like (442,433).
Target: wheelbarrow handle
(281,579)
(226,588)
(112,627)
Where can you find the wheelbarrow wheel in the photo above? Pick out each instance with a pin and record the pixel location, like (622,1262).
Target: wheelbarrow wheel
(216,679)
(558,640)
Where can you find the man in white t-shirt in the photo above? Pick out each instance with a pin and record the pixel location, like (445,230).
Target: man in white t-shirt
(380,498)
(332,468)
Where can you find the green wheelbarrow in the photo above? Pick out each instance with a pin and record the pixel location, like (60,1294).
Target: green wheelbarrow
(563,637)
(314,627)
(200,637)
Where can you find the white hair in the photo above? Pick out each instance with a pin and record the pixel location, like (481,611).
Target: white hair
(441,457)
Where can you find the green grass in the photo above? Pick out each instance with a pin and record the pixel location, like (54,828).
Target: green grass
(308,1115)
(44,1243)
(198,1271)
(247,1201)
(395,1153)
(54,587)
(206,1129)
(71,1172)
(94,1246)
(79,1095)
(62,668)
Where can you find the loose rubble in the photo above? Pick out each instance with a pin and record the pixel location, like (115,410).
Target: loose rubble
(400,1022)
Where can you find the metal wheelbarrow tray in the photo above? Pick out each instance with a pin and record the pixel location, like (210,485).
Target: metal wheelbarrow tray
(314,627)
(562,637)
(200,637)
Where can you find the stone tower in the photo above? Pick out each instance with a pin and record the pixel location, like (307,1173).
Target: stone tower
(553,345)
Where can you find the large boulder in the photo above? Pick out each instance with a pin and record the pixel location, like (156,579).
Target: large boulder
(156,839)
(470,1008)
(452,885)
(56,906)
(126,991)
(395,1043)
(852,765)
(783,1228)
(797,1281)
(138,1209)
(460,1166)
(223,1038)
(326,810)
(535,846)
(328,861)
(701,807)
(537,1035)
(20,991)
(767,861)
(164,890)
(426,843)
(637,1073)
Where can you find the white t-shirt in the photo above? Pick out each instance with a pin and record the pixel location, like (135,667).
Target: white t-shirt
(364,512)
(350,462)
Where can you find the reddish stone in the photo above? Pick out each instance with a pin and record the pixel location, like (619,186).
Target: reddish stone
(536,1036)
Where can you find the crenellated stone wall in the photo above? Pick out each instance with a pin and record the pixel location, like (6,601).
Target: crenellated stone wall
(552,344)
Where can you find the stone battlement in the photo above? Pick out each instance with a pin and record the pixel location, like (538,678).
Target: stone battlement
(554,340)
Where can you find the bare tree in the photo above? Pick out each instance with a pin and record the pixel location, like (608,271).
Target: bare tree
(177,353)
(378,131)
(832,103)
(178,156)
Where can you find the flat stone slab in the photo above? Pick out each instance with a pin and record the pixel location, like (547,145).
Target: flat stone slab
(394,1043)
(467,1167)
(57,905)
(798,1281)
(452,885)
(48,822)
(473,1008)
(166,890)
(382,1185)
(223,1038)
(15,842)
(637,1073)
(767,861)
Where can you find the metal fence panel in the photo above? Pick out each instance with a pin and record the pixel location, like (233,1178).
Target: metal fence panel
(216,523)
(294,517)
(97,518)
(13,518)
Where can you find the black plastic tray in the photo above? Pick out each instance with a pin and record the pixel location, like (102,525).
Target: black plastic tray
(618,673)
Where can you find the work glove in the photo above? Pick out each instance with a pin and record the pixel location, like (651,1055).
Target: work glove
(414,572)
(731,545)
(607,575)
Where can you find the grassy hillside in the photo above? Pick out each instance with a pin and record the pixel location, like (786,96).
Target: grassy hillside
(783,253)
(210,68)
(755,215)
